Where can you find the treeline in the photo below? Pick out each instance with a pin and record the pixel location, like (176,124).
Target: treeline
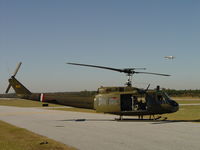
(182,93)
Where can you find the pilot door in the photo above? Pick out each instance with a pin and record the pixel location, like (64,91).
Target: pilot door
(126,102)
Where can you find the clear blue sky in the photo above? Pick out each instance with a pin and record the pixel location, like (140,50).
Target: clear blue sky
(45,34)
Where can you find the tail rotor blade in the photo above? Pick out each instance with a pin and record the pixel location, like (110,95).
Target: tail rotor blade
(147,88)
(17,69)
(8,88)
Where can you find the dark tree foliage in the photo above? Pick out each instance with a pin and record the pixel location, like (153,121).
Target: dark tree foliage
(183,93)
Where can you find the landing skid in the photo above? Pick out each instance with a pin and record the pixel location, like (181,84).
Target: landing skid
(140,117)
(120,118)
(164,118)
(157,118)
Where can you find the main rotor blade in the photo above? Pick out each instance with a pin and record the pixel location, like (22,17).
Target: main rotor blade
(102,67)
(8,88)
(126,70)
(160,74)
(17,69)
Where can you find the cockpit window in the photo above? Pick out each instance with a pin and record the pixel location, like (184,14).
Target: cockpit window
(166,96)
(159,97)
(163,98)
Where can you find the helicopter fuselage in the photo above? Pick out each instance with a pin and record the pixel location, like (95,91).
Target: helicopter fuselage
(128,101)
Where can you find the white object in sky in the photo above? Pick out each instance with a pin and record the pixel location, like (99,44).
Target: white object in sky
(169,57)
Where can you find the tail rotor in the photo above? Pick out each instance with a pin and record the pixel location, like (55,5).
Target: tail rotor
(15,73)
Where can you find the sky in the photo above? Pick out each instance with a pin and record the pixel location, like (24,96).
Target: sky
(46,34)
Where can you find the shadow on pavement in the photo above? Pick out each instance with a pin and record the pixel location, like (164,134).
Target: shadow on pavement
(131,120)
(82,120)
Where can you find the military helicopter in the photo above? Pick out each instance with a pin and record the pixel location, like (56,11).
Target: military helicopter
(169,57)
(129,100)
(123,101)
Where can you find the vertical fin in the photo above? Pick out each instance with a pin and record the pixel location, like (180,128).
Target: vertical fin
(18,87)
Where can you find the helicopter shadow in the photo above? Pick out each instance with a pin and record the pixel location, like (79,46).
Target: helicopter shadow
(142,120)
(129,120)
(176,121)
(86,120)
(115,119)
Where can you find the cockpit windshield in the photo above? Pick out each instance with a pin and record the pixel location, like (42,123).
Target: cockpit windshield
(166,96)
(162,97)
(158,97)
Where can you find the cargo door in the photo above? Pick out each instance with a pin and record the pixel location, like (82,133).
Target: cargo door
(126,102)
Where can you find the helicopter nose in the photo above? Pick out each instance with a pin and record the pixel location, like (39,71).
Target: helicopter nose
(175,105)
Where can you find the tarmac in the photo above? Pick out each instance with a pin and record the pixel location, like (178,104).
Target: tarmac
(89,131)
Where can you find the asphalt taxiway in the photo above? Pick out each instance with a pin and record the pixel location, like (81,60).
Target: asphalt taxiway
(89,131)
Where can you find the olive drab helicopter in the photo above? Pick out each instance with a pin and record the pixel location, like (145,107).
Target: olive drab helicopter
(123,101)
(132,101)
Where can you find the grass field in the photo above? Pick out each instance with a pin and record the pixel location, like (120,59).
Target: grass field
(23,103)
(14,138)
(186,98)
(186,113)
(188,101)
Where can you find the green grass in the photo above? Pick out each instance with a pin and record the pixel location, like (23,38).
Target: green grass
(188,101)
(186,113)
(24,103)
(29,103)
(186,98)
(14,138)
